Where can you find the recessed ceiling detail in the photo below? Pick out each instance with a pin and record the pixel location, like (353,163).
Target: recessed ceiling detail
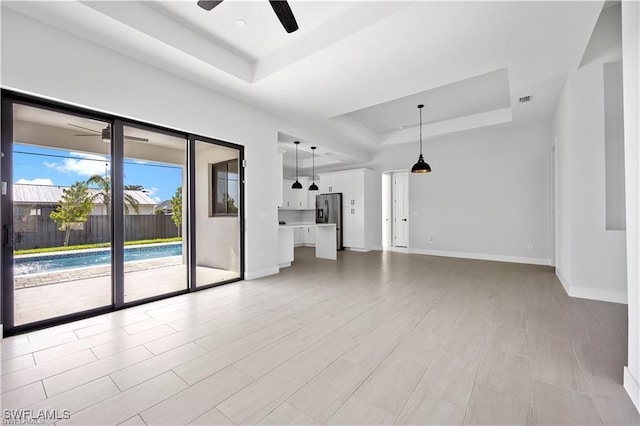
(349,79)
(473,102)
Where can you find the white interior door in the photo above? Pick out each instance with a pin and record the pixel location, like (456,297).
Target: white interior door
(401,209)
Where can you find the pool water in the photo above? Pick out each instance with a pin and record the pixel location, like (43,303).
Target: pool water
(59,262)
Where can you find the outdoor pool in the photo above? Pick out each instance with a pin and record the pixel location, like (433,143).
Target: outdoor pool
(51,262)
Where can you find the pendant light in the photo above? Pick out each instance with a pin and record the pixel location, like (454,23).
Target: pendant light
(296,184)
(421,166)
(313,186)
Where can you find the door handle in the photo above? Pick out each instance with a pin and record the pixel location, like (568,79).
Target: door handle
(7,236)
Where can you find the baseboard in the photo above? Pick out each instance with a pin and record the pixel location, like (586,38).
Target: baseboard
(398,249)
(632,387)
(377,248)
(483,256)
(595,294)
(252,275)
(591,293)
(564,282)
(360,250)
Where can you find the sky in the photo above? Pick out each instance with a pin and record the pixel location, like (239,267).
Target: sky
(45,166)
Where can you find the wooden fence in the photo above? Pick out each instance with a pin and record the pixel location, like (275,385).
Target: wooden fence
(41,231)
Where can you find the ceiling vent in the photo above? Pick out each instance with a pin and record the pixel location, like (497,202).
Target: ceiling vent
(523,99)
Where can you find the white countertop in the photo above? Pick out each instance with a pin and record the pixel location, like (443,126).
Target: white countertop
(305,225)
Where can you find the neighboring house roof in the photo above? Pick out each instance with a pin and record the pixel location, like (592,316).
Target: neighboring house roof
(45,194)
(165,205)
(140,196)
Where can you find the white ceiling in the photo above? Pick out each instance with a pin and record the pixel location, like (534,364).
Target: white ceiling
(71,131)
(471,96)
(354,71)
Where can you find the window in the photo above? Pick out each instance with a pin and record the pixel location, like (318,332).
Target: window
(224,188)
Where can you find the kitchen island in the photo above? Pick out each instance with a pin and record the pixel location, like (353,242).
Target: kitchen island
(325,241)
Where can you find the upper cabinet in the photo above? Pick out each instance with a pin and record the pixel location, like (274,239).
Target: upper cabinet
(296,198)
(326,183)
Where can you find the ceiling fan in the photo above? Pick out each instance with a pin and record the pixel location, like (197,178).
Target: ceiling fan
(280,7)
(105,134)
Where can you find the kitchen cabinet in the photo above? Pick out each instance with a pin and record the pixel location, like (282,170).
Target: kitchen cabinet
(288,195)
(326,181)
(304,236)
(285,246)
(325,242)
(295,198)
(298,237)
(309,236)
(361,206)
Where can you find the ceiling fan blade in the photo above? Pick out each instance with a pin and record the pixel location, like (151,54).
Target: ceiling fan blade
(135,138)
(208,4)
(84,128)
(284,14)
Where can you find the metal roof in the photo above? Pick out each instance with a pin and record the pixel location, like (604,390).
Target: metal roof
(165,204)
(45,194)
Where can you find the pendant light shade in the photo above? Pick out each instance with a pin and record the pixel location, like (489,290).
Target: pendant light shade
(421,166)
(313,186)
(296,184)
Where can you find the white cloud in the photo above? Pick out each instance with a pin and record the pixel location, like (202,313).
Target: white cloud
(36,181)
(86,165)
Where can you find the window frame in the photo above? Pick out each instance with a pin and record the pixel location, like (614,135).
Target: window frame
(213,187)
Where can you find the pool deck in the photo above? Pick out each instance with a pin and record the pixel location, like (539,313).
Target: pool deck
(54,294)
(46,278)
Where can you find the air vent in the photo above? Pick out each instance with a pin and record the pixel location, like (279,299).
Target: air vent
(524,99)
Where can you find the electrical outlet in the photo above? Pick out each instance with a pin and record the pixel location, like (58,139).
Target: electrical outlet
(530,246)
(430,239)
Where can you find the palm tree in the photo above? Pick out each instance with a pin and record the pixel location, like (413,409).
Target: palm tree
(104,193)
(134,187)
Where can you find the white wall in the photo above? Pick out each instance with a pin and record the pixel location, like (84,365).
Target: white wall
(631,77)
(592,259)
(488,196)
(48,62)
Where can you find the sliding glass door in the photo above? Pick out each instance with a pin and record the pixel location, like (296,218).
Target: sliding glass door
(99,213)
(155,255)
(218,213)
(58,232)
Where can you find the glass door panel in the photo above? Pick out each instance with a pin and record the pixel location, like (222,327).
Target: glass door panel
(217,216)
(61,233)
(155,253)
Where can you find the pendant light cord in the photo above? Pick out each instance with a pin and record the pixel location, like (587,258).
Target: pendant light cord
(420,108)
(297,161)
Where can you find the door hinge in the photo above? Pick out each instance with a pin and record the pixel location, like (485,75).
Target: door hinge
(244,163)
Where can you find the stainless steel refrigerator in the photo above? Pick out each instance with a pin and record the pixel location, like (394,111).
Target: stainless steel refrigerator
(329,210)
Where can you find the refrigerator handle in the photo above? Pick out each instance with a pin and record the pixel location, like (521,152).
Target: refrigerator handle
(326,209)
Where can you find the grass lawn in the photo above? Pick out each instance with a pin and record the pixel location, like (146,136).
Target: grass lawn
(92,246)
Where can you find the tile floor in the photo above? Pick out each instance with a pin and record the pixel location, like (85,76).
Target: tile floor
(374,338)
